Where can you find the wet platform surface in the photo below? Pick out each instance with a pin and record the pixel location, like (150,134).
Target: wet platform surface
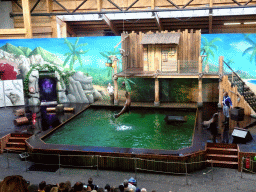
(46,123)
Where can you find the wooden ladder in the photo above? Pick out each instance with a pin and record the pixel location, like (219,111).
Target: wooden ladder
(17,142)
(222,155)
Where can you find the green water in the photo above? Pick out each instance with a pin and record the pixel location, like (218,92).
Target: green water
(137,129)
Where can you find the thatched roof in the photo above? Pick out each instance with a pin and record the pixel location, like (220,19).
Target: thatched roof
(161,38)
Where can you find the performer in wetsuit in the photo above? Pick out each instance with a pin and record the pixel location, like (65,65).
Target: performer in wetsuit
(227,104)
(126,107)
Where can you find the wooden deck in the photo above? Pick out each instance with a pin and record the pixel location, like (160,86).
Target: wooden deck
(139,73)
(148,104)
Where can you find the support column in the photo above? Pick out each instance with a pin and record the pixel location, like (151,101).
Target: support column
(200,84)
(116,91)
(221,58)
(27,18)
(156,102)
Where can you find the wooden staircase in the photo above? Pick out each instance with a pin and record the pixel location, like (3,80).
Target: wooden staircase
(222,155)
(17,142)
(243,90)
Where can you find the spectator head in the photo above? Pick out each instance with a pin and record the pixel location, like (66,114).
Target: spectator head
(100,190)
(47,188)
(68,184)
(125,183)
(121,188)
(42,185)
(63,187)
(54,189)
(78,187)
(107,187)
(32,188)
(14,183)
(132,181)
(143,190)
(90,180)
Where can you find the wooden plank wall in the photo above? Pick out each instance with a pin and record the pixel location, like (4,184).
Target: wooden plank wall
(188,49)
(42,27)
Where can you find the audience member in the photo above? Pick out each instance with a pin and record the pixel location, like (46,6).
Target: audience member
(78,187)
(14,183)
(107,187)
(54,189)
(100,190)
(62,187)
(33,188)
(121,188)
(42,186)
(143,190)
(68,184)
(132,183)
(90,183)
(48,188)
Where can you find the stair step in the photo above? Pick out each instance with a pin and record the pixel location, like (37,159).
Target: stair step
(16,149)
(224,164)
(222,145)
(222,157)
(222,151)
(16,143)
(20,135)
(18,138)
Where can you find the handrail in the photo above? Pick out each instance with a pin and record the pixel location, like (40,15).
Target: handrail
(243,83)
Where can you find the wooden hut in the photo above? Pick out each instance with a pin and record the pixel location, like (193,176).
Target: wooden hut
(161,55)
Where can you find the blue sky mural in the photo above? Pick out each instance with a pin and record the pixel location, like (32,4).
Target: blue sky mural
(57,46)
(232,47)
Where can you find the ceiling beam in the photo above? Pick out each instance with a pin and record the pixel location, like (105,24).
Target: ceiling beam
(159,22)
(110,24)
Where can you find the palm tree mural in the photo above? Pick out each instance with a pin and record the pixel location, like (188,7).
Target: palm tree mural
(74,53)
(208,47)
(250,49)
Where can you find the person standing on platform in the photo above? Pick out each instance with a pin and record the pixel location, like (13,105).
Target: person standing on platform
(111,93)
(227,105)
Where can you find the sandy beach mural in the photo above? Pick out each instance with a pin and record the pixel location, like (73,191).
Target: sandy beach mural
(239,51)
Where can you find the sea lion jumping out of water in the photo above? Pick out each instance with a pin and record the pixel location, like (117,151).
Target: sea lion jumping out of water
(126,107)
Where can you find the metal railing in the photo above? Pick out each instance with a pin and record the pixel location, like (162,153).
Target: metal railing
(95,164)
(240,81)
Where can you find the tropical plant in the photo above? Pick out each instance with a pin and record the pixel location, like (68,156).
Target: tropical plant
(74,54)
(208,47)
(250,49)
(127,84)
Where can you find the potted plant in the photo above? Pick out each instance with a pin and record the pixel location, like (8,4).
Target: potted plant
(108,63)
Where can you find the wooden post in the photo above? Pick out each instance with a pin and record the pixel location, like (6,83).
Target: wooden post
(210,17)
(116,91)
(115,64)
(200,84)
(156,102)
(221,58)
(27,18)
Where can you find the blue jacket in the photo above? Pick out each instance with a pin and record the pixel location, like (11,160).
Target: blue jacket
(227,101)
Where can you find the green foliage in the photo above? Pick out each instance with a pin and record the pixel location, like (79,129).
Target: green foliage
(12,49)
(208,47)
(250,49)
(46,55)
(63,76)
(74,54)
(107,54)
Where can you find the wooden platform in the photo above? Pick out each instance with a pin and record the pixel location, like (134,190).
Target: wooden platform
(148,104)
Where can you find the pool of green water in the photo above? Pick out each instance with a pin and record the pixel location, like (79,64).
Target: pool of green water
(140,128)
